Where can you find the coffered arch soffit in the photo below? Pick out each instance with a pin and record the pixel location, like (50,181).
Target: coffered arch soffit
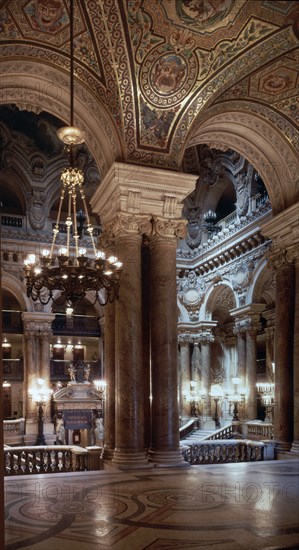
(261,144)
(148,69)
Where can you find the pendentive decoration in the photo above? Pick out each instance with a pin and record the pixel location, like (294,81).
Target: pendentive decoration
(71,270)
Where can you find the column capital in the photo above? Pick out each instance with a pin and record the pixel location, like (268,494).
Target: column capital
(124,224)
(167,229)
(36,322)
(184,339)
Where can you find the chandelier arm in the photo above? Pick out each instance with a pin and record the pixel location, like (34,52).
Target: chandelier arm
(76,234)
(56,228)
(89,228)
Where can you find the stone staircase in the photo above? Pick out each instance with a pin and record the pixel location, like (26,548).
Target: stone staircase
(195,435)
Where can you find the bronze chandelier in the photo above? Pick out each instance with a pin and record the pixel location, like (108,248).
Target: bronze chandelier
(70,270)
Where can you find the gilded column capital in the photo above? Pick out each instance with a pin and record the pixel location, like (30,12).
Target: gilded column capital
(168,228)
(125,224)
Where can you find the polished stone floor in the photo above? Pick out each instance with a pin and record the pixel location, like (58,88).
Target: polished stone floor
(247,506)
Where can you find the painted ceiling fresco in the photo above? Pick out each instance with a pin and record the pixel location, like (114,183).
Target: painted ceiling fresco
(158,66)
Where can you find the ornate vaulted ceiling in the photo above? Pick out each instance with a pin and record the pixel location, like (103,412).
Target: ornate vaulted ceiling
(160,67)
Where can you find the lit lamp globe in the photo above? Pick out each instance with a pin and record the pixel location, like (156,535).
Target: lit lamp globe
(71,135)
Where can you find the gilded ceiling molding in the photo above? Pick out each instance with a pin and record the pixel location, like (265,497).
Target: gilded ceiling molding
(239,68)
(36,88)
(262,145)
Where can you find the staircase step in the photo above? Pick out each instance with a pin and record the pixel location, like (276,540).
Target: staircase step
(196,435)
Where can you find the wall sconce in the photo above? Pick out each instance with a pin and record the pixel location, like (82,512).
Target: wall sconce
(100,386)
(6,344)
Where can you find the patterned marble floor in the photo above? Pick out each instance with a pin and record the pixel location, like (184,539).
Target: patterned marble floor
(246,506)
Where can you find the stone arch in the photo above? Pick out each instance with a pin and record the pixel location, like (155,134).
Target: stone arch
(15,286)
(262,288)
(212,297)
(37,87)
(261,144)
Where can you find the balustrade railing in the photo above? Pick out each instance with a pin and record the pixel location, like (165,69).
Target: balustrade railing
(17,425)
(44,459)
(259,430)
(232,450)
(187,428)
(222,433)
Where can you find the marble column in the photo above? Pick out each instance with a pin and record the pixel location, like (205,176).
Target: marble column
(241,355)
(44,370)
(30,373)
(185,369)
(109,367)
(206,375)
(45,356)
(251,373)
(165,443)
(37,332)
(283,351)
(129,414)
(145,272)
(295,445)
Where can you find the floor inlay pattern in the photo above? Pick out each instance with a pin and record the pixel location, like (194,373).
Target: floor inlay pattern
(246,506)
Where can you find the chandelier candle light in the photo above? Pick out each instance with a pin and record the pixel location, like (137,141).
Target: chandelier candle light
(71,271)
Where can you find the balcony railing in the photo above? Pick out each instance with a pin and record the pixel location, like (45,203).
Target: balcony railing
(11,221)
(12,322)
(76,325)
(59,369)
(44,459)
(220,452)
(259,430)
(13,369)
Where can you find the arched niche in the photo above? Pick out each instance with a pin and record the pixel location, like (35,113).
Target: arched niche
(261,144)
(36,87)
